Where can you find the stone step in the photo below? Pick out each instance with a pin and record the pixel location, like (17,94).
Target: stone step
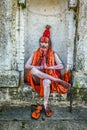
(60,113)
(18,118)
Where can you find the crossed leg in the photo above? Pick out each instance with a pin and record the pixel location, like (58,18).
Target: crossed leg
(46,85)
(43,75)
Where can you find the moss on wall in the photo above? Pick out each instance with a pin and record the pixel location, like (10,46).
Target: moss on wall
(80,63)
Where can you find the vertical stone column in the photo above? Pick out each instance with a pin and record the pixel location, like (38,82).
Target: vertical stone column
(20,43)
(71,33)
(81,56)
(9,77)
(5,34)
(80,78)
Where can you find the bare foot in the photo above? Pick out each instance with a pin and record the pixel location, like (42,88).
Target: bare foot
(65,84)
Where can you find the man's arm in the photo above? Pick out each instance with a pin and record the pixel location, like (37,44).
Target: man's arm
(29,65)
(58,65)
(29,62)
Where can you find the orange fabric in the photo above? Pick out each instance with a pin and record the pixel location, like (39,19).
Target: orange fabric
(66,76)
(55,73)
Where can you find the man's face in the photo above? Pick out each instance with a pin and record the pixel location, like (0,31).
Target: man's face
(44,47)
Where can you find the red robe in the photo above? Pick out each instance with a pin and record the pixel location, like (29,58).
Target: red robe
(55,73)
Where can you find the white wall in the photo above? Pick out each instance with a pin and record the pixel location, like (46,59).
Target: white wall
(39,13)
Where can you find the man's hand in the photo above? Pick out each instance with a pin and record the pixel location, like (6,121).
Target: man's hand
(41,67)
(45,66)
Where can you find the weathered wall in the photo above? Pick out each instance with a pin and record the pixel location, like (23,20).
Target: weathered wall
(39,14)
(9,76)
(81,46)
(81,57)
(56,13)
(5,35)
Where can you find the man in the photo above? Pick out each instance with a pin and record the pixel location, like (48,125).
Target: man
(44,73)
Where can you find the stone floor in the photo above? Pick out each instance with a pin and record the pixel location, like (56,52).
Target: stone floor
(19,118)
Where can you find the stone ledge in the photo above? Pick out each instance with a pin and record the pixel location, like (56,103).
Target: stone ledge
(9,78)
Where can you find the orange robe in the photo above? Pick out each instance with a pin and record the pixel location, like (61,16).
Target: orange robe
(55,73)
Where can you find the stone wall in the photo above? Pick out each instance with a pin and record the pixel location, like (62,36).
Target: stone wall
(5,35)
(81,46)
(81,57)
(9,74)
(38,16)
(61,19)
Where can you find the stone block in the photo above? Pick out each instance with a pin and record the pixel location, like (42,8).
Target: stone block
(79,88)
(80,80)
(9,79)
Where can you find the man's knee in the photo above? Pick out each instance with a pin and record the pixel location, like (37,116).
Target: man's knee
(34,71)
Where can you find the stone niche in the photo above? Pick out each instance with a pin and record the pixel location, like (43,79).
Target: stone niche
(55,13)
(21,30)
